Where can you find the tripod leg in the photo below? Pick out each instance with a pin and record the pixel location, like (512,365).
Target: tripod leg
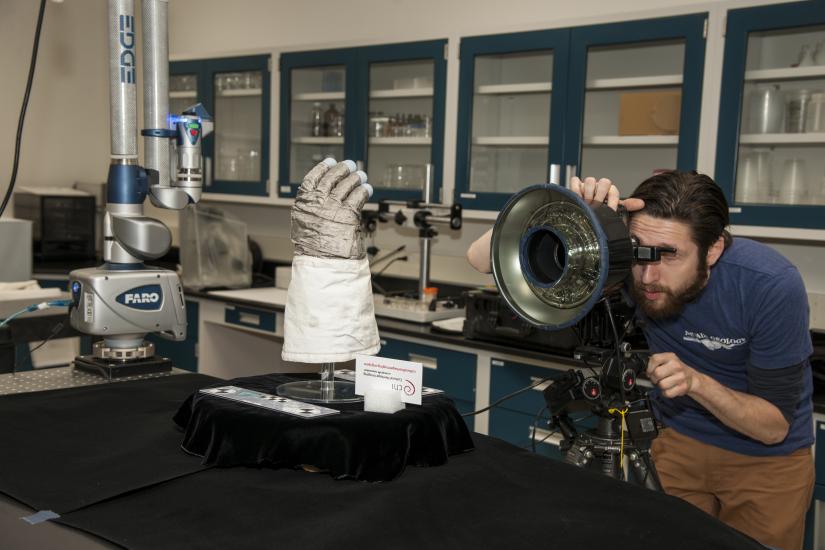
(644,470)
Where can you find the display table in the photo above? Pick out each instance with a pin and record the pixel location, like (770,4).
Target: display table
(108,459)
(351,444)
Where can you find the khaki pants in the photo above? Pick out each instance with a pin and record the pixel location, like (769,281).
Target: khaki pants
(764,497)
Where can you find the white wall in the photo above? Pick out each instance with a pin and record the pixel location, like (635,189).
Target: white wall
(66,134)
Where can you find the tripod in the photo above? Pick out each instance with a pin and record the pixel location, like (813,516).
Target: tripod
(608,443)
(606,446)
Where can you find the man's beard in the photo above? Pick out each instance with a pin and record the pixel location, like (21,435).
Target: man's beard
(674,301)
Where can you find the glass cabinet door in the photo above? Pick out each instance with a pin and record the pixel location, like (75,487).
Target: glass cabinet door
(511,121)
(183,92)
(235,92)
(771,157)
(635,102)
(318,117)
(380,106)
(511,115)
(400,124)
(237,113)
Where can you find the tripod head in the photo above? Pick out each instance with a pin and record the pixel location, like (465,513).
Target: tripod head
(612,395)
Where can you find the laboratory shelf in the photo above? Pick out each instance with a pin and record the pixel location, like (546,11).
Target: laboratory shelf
(242,92)
(631,141)
(319,96)
(785,73)
(783,139)
(192,94)
(526,88)
(512,141)
(318,140)
(400,141)
(401,93)
(634,82)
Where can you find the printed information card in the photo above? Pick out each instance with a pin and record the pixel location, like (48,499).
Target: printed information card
(404,377)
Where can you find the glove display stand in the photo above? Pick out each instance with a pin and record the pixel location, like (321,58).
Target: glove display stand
(325,390)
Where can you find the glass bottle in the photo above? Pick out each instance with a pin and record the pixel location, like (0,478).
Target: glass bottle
(331,117)
(337,128)
(317,121)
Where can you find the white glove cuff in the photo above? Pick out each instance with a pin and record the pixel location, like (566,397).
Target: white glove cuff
(330,316)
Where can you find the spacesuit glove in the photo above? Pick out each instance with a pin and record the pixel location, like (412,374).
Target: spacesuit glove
(326,216)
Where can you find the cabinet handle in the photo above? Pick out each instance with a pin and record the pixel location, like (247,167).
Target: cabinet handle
(426,361)
(555,174)
(250,319)
(569,173)
(545,436)
(540,387)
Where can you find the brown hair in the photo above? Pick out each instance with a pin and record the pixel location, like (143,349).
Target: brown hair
(691,198)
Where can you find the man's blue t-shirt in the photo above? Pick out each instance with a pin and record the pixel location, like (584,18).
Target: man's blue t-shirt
(753,311)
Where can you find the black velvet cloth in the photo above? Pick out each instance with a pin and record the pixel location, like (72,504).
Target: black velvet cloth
(353,444)
(64,449)
(498,496)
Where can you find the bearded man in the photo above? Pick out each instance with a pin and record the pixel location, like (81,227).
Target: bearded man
(726,321)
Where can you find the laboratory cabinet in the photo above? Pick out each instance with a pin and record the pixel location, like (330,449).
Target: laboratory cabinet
(770,157)
(381,106)
(183,354)
(444,369)
(619,100)
(236,92)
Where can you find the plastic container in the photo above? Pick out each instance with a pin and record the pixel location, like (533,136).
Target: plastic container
(796,110)
(765,108)
(815,117)
(214,249)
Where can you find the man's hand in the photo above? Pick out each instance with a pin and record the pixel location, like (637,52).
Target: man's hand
(743,412)
(669,374)
(326,216)
(603,191)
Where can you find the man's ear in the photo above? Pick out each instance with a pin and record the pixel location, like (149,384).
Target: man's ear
(715,250)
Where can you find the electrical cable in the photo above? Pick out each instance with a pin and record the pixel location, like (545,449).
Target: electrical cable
(54,332)
(535,427)
(509,396)
(388,255)
(19,135)
(383,269)
(618,345)
(35,307)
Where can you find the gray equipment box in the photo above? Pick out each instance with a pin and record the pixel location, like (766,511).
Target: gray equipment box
(16,250)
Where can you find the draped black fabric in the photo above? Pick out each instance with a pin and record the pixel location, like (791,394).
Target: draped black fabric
(64,449)
(353,444)
(497,496)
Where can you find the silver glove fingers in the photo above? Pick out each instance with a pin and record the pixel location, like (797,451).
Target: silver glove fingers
(346,185)
(334,175)
(314,176)
(359,196)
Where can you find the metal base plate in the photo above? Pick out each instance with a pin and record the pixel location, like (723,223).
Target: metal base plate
(319,391)
(118,369)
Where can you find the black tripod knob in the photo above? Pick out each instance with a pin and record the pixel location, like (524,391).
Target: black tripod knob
(592,389)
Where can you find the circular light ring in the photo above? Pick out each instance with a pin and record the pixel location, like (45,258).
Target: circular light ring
(586,270)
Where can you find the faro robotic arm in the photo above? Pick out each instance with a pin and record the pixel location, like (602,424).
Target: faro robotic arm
(123,299)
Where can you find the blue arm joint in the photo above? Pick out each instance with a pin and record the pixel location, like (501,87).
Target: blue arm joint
(127,184)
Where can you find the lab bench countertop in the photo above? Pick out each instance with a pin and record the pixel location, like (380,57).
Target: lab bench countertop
(271,298)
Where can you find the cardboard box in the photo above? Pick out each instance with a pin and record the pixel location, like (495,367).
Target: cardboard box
(649,113)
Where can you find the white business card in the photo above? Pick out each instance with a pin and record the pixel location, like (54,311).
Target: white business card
(404,377)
